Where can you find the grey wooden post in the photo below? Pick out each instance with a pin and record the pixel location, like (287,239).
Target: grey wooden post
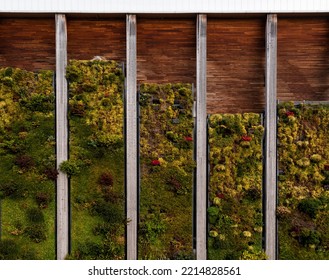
(270,171)
(62,226)
(131,140)
(201,138)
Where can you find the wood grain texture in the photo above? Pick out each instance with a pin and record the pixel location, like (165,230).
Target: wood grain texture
(105,37)
(27,43)
(166,50)
(235,72)
(303,59)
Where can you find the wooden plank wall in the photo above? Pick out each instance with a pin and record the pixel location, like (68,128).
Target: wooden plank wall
(104,37)
(236,55)
(303,59)
(27,43)
(166,50)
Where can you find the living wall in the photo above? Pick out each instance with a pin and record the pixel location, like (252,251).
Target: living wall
(166,145)
(235,187)
(27,166)
(303,212)
(96,164)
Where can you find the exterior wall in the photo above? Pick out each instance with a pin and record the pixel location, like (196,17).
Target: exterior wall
(166,50)
(27,43)
(88,38)
(235,71)
(303,59)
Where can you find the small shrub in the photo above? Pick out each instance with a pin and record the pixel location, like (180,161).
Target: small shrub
(70,167)
(309,237)
(106,179)
(24,161)
(35,215)
(109,212)
(36,233)
(43,199)
(51,173)
(283,212)
(309,206)
(9,250)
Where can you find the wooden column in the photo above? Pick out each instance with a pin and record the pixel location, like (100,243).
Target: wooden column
(131,175)
(270,166)
(61,138)
(201,139)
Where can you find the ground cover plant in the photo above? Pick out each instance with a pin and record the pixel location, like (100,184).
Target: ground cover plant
(303,212)
(27,166)
(166,146)
(235,187)
(96,164)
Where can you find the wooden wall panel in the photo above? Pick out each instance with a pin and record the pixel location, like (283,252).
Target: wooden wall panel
(27,43)
(303,59)
(236,55)
(89,38)
(166,50)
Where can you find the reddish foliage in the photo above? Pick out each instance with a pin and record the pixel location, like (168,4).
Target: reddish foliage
(155,162)
(106,179)
(24,161)
(326,167)
(220,195)
(51,173)
(188,138)
(290,114)
(246,138)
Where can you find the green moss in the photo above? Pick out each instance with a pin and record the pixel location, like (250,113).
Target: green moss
(235,186)
(96,148)
(26,124)
(167,169)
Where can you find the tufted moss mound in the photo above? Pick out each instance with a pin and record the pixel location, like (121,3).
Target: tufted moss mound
(303,181)
(235,191)
(166,137)
(27,191)
(96,164)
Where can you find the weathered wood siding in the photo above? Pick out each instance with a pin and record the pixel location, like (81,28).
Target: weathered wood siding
(166,50)
(27,43)
(236,55)
(105,37)
(303,59)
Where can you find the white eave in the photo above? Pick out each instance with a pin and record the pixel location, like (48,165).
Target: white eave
(164,6)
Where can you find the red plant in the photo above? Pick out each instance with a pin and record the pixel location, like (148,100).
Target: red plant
(188,138)
(326,167)
(220,195)
(155,162)
(106,179)
(51,173)
(246,138)
(290,114)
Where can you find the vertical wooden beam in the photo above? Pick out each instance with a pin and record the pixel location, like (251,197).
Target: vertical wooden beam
(270,168)
(131,139)
(201,138)
(61,138)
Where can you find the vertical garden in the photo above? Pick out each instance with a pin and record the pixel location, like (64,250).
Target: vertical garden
(27,166)
(235,186)
(96,171)
(303,211)
(96,159)
(166,161)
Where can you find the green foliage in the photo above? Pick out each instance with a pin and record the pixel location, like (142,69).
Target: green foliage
(9,250)
(235,217)
(309,206)
(96,152)
(166,145)
(70,167)
(35,215)
(26,124)
(303,155)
